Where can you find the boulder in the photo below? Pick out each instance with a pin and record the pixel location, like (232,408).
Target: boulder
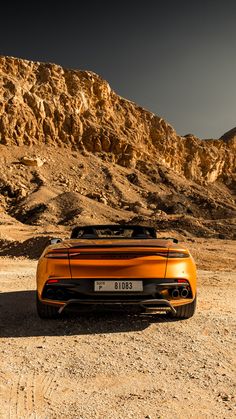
(32,161)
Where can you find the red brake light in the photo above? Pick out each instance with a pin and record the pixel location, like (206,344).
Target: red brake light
(182,281)
(52,281)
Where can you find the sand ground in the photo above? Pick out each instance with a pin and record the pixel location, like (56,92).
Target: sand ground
(116,365)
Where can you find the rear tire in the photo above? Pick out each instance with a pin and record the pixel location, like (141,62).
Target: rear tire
(45,311)
(186,311)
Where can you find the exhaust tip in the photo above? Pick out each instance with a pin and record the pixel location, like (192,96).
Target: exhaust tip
(184,293)
(60,294)
(50,292)
(175,293)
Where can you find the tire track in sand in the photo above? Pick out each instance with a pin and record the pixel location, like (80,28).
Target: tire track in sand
(27,395)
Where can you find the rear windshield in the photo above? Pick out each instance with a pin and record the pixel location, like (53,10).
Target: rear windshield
(113,232)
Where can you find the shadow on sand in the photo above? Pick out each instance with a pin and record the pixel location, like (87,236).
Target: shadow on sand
(18,318)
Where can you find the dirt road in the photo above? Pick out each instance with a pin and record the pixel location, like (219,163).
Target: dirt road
(114,365)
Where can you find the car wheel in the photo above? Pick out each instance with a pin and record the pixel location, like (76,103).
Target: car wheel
(186,311)
(46,311)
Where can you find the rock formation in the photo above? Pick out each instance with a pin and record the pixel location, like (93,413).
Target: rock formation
(73,151)
(43,103)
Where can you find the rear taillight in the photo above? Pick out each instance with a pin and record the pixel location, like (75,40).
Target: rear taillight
(178,255)
(57,255)
(182,281)
(115,255)
(52,281)
(162,254)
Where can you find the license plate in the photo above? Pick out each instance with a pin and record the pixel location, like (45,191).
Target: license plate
(119,286)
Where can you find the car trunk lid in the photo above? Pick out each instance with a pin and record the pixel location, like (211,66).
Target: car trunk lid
(118,260)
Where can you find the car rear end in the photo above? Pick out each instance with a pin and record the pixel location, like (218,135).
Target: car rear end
(153,275)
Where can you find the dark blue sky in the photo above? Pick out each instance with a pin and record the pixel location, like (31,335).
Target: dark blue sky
(175,58)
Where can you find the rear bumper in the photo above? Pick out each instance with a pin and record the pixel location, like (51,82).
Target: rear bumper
(156,295)
(83,289)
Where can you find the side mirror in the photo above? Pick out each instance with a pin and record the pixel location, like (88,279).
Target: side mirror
(55,241)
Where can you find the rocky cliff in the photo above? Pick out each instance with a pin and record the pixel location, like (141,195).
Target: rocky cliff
(73,152)
(44,103)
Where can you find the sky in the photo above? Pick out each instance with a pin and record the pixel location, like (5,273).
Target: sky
(174,58)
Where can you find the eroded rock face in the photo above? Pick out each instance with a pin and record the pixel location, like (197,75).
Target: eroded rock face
(43,103)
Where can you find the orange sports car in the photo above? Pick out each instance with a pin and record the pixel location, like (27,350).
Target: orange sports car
(116,266)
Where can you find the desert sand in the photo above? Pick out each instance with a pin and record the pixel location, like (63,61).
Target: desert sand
(115,364)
